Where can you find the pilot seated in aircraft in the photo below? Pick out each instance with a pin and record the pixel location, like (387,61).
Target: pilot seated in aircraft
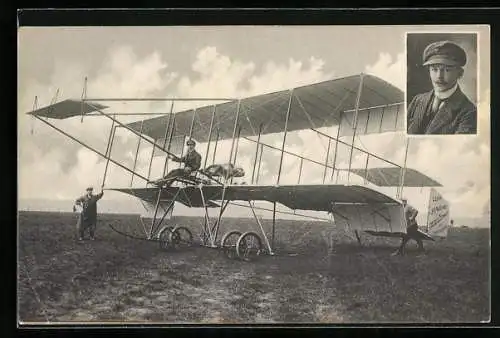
(192,162)
(410,214)
(224,170)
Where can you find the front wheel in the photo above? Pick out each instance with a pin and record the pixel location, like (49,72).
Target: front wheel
(228,243)
(164,237)
(249,246)
(181,238)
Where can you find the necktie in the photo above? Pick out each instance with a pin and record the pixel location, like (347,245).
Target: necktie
(436,104)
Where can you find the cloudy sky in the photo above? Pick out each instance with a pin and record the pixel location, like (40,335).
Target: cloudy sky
(223,62)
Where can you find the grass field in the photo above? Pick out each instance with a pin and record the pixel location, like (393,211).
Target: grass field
(319,275)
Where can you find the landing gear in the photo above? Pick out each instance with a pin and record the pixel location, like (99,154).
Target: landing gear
(249,246)
(228,243)
(175,238)
(246,246)
(181,238)
(164,237)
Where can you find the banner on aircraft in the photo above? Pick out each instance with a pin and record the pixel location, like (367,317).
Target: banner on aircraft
(438,215)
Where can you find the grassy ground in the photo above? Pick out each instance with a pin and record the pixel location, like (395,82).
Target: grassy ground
(319,275)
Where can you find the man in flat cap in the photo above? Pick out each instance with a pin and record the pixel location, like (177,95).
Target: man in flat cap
(88,215)
(192,162)
(410,215)
(445,109)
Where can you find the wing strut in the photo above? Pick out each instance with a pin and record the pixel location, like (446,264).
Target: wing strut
(129,129)
(35,107)
(403,170)
(236,121)
(84,95)
(284,136)
(111,138)
(209,136)
(207,219)
(136,153)
(261,228)
(355,124)
(256,153)
(172,130)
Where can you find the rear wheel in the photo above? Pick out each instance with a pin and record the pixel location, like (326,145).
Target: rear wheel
(249,246)
(164,237)
(181,237)
(228,243)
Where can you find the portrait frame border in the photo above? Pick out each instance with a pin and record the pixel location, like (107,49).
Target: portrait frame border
(446,29)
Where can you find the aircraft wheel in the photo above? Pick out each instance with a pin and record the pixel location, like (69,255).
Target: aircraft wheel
(249,246)
(164,237)
(228,243)
(181,238)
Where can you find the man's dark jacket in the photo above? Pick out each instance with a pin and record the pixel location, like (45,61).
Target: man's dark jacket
(89,204)
(191,159)
(458,115)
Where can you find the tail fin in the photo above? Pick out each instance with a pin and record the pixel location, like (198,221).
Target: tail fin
(438,215)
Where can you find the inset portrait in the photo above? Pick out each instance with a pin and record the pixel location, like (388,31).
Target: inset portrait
(441,88)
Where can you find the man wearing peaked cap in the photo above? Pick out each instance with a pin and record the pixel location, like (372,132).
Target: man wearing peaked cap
(445,109)
(192,163)
(410,215)
(444,52)
(88,215)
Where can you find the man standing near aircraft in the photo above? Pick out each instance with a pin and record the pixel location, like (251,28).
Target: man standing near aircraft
(88,216)
(445,109)
(410,214)
(192,162)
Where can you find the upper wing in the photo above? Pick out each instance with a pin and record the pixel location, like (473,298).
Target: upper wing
(313,106)
(317,105)
(66,109)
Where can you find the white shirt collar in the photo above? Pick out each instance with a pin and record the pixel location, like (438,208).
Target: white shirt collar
(447,93)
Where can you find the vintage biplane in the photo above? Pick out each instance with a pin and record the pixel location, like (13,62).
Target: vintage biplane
(356,105)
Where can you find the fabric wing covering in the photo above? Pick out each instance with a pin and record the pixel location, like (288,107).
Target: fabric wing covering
(175,145)
(373,120)
(67,108)
(312,106)
(391,177)
(374,218)
(296,197)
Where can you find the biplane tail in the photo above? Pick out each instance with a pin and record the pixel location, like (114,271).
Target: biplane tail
(388,220)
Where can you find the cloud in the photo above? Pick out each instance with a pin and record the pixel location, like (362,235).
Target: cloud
(276,77)
(466,187)
(122,74)
(390,69)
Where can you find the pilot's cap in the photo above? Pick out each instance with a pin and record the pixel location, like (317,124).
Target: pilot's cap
(444,52)
(191,142)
